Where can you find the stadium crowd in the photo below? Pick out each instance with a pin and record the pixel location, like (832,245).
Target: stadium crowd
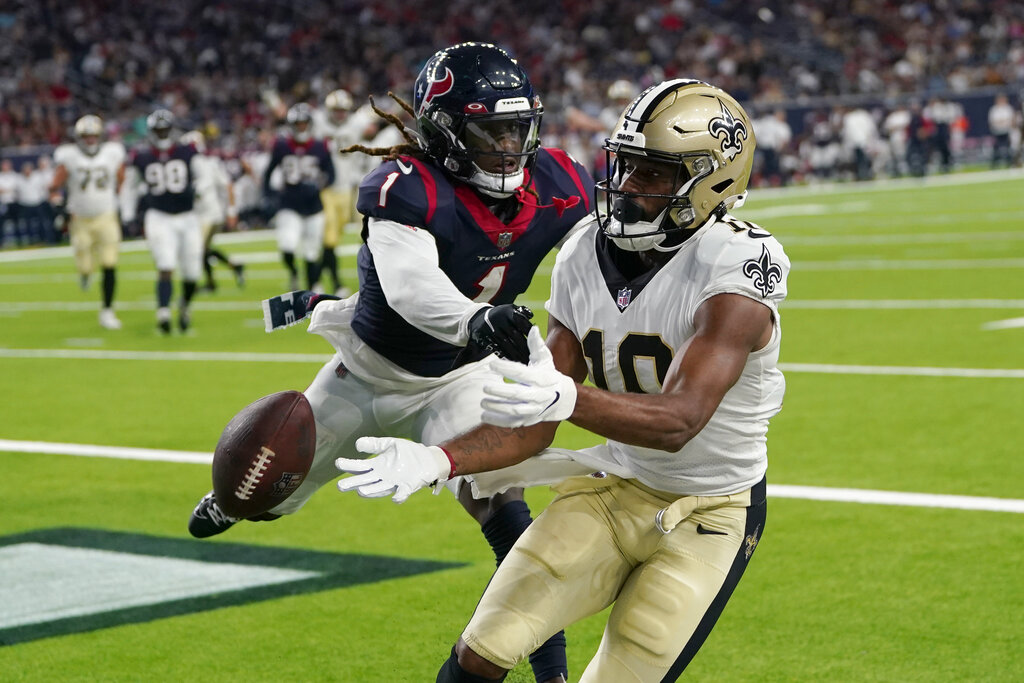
(838,89)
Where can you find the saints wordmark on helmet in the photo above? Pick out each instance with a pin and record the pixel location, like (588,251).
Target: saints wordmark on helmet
(730,130)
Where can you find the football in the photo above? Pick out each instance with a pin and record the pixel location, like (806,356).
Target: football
(263,454)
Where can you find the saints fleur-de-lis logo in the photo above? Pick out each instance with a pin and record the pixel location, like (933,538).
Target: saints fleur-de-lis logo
(730,130)
(750,542)
(763,272)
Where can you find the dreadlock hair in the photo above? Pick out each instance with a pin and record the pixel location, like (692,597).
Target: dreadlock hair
(409,148)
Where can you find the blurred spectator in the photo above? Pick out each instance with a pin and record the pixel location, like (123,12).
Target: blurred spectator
(822,150)
(860,134)
(941,114)
(894,128)
(8,203)
(918,140)
(773,134)
(35,218)
(1002,119)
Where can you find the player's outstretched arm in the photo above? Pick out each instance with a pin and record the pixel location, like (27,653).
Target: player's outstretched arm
(729,327)
(401,467)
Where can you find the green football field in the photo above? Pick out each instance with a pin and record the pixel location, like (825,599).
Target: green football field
(894,547)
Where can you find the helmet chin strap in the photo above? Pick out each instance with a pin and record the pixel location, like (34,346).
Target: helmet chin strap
(493,184)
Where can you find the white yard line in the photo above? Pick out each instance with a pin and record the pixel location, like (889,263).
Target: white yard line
(1009,324)
(910,264)
(907,371)
(204,356)
(896,304)
(254,304)
(886,185)
(922,238)
(223,277)
(842,495)
(252,357)
(140,245)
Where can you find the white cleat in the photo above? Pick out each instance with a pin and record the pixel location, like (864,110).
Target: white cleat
(109,320)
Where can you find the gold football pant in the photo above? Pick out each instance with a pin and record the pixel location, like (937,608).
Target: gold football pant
(96,238)
(599,543)
(338,209)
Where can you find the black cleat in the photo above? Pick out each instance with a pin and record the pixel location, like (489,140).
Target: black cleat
(239,274)
(208,519)
(184,319)
(164,326)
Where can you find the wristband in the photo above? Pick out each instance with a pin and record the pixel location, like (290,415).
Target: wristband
(451,461)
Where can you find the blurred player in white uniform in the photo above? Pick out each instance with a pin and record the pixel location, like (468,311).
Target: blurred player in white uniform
(215,207)
(670,305)
(339,126)
(170,172)
(92,172)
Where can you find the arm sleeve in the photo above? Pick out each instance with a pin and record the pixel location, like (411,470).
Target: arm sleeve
(275,159)
(416,288)
(327,166)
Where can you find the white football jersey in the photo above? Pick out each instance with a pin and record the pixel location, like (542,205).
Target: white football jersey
(212,183)
(630,332)
(92,178)
(348,168)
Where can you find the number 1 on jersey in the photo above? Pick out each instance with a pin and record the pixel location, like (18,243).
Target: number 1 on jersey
(490,284)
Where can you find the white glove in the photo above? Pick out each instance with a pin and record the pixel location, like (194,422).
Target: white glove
(541,393)
(401,468)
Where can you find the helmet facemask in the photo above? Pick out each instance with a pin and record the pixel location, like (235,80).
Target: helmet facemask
(663,181)
(490,152)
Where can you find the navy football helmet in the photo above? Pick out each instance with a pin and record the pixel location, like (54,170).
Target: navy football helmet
(160,126)
(478,116)
(300,120)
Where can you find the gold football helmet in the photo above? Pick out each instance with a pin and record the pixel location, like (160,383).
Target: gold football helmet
(88,132)
(691,132)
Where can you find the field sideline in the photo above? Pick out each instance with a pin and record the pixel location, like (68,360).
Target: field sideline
(890,552)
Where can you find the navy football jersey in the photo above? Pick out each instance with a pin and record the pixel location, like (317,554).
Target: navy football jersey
(486,259)
(305,168)
(167,173)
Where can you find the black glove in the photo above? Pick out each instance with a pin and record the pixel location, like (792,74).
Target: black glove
(502,329)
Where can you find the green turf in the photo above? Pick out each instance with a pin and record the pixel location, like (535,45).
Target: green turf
(836,592)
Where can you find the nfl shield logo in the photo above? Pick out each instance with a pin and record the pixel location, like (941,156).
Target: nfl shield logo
(624,297)
(504,239)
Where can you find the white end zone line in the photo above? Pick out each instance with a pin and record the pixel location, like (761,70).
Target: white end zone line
(925,500)
(93,451)
(823,368)
(839,495)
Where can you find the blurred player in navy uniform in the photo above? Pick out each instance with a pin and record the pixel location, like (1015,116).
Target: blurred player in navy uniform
(306,168)
(670,305)
(168,170)
(456,223)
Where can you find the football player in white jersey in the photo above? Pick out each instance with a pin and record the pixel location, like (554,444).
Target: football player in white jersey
(339,126)
(670,305)
(215,206)
(92,172)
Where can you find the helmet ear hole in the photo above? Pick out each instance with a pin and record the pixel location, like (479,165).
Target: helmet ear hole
(720,187)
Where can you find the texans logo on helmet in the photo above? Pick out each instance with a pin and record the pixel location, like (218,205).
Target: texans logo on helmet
(436,88)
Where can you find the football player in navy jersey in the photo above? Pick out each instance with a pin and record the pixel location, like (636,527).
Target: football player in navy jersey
(306,168)
(168,170)
(455,224)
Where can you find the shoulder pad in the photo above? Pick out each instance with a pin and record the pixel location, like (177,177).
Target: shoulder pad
(746,254)
(404,191)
